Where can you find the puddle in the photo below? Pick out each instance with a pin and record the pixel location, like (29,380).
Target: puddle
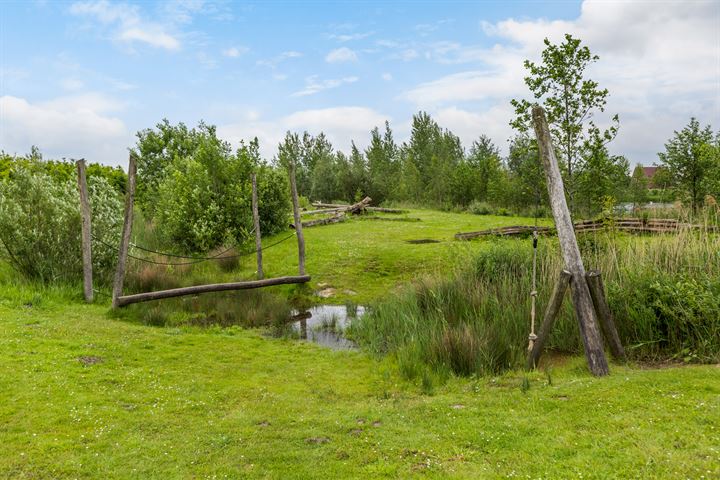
(325,325)
(420,241)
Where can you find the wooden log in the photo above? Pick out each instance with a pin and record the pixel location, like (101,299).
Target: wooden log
(213,287)
(256,224)
(597,291)
(551,313)
(321,211)
(86,232)
(126,232)
(325,221)
(584,310)
(298,222)
(355,208)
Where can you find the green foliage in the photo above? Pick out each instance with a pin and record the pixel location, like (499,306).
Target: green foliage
(569,100)
(199,192)
(40,226)
(692,157)
(638,190)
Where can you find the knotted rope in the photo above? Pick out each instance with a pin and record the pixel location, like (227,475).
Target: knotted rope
(533,294)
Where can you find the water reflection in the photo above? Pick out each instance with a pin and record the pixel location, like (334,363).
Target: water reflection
(325,325)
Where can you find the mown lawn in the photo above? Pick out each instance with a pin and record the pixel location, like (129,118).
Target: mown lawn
(369,258)
(83,395)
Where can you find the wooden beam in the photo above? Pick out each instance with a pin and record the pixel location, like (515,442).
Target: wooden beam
(86,231)
(213,287)
(126,232)
(551,313)
(597,290)
(256,224)
(298,221)
(584,309)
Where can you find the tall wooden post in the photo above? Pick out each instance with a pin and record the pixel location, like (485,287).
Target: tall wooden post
(86,232)
(256,224)
(126,231)
(551,313)
(584,309)
(298,220)
(597,291)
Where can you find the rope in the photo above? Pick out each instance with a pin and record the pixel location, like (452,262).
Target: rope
(196,259)
(533,294)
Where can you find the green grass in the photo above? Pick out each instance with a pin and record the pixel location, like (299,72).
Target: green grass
(83,395)
(363,259)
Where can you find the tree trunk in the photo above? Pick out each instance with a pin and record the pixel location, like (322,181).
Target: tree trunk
(126,232)
(582,301)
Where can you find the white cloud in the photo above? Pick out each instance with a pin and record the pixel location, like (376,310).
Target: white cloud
(275,61)
(386,76)
(342,54)
(235,52)
(342,125)
(313,85)
(128,25)
(77,126)
(347,37)
(660,64)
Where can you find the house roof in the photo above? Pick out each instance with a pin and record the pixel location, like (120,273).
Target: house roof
(649,171)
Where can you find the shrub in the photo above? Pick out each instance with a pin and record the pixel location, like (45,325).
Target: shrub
(40,226)
(480,208)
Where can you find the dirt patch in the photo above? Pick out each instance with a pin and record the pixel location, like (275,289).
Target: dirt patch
(420,241)
(90,360)
(326,292)
(317,440)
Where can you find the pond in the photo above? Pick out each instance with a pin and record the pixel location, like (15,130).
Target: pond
(326,324)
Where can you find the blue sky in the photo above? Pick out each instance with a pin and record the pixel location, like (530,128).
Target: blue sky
(78,79)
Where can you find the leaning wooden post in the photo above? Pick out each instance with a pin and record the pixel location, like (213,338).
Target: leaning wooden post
(584,310)
(256,224)
(86,232)
(597,290)
(126,231)
(298,220)
(551,313)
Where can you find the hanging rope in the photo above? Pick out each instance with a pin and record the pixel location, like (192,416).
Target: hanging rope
(533,294)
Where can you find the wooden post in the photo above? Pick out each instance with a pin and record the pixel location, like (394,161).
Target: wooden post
(86,232)
(551,313)
(256,224)
(126,231)
(298,220)
(584,309)
(597,291)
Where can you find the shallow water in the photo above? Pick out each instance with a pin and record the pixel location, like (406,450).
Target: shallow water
(325,325)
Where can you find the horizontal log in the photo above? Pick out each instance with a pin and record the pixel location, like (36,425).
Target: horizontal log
(212,287)
(325,221)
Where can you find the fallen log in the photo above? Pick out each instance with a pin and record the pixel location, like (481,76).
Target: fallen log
(213,287)
(325,221)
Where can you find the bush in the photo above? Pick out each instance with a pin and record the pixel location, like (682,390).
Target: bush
(480,208)
(40,226)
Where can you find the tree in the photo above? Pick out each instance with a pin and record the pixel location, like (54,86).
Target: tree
(686,157)
(570,101)
(602,177)
(638,186)
(381,157)
(526,175)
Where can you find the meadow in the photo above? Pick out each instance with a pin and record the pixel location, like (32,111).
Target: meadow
(87,393)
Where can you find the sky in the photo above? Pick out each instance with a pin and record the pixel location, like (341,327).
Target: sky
(79,79)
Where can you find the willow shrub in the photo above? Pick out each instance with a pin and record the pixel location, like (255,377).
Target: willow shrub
(40,226)
(664,292)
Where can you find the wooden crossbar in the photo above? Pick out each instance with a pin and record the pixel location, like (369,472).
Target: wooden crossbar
(212,287)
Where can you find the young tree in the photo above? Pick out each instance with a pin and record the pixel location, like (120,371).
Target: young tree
(381,157)
(687,161)
(570,101)
(638,186)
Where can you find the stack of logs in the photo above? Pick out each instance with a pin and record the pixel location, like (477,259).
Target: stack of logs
(338,213)
(634,225)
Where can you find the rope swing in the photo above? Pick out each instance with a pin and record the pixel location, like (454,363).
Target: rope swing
(533,293)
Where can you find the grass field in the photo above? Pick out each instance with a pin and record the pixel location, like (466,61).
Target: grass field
(86,395)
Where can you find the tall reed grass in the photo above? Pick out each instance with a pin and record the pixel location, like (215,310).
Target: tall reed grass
(663,290)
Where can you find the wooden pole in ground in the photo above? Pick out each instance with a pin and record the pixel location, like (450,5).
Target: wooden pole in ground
(597,290)
(551,313)
(298,220)
(126,231)
(256,224)
(86,232)
(584,309)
